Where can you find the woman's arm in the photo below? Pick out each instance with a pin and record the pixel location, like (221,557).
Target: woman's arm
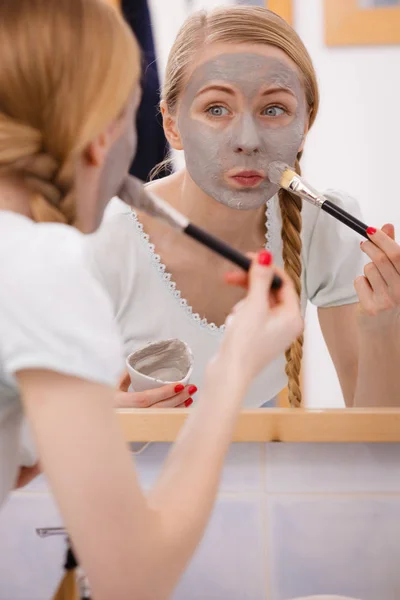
(339,328)
(366,360)
(378,381)
(121,537)
(132,546)
(364,339)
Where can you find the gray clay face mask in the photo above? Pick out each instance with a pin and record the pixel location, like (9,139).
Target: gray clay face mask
(248,141)
(166,361)
(120,157)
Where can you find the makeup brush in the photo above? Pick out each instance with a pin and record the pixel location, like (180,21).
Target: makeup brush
(68,588)
(289,180)
(134,194)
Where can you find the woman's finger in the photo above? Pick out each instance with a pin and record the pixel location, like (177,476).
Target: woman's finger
(382,262)
(286,294)
(376,281)
(390,231)
(234,311)
(238,306)
(242,279)
(173,393)
(175,403)
(389,246)
(365,294)
(260,277)
(186,404)
(124,382)
(238,278)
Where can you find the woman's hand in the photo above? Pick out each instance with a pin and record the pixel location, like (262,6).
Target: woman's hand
(265,323)
(379,289)
(379,321)
(168,396)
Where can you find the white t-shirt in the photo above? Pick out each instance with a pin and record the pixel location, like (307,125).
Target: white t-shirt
(148,306)
(53,315)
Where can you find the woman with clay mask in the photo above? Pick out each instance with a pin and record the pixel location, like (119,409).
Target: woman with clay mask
(66,141)
(240,91)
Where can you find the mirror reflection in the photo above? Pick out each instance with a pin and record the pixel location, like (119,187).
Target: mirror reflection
(232,105)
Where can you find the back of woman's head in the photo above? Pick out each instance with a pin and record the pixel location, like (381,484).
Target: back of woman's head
(252,25)
(67,70)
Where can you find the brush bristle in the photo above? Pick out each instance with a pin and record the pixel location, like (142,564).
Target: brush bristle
(281,174)
(287,178)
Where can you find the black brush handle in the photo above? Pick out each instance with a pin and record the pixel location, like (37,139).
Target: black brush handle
(345,217)
(225,250)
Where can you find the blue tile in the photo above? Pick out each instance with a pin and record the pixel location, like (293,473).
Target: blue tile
(333,468)
(30,567)
(230,563)
(334,545)
(243,470)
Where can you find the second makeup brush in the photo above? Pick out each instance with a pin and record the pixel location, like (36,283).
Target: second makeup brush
(286,178)
(134,194)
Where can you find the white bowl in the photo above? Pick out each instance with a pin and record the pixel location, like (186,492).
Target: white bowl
(160,363)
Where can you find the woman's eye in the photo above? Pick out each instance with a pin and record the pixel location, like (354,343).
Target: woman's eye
(273,111)
(217,111)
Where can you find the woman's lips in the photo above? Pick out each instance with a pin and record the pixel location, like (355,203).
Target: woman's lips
(247,178)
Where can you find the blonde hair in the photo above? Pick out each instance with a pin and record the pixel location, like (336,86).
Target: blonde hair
(254,25)
(67,70)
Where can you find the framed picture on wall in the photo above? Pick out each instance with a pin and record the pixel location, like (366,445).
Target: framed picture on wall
(283,8)
(362,22)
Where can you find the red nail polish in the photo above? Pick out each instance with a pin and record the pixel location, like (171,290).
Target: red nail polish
(265,258)
(188,402)
(192,390)
(371,230)
(179,388)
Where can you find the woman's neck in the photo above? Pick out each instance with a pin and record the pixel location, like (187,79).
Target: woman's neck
(14,197)
(241,228)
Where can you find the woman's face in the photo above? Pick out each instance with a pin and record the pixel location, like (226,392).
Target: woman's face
(121,152)
(105,165)
(243,107)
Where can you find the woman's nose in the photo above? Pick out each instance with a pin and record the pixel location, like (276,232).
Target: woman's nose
(246,137)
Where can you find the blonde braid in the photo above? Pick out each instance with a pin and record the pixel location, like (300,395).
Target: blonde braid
(290,207)
(54,199)
(22,155)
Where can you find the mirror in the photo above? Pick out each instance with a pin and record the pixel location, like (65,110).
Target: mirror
(169,287)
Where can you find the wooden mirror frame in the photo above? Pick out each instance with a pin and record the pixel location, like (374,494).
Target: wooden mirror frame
(278,424)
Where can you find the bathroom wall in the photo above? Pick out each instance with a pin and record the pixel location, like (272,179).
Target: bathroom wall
(291,520)
(353,146)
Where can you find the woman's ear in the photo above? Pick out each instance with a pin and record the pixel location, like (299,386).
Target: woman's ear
(95,151)
(170,128)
